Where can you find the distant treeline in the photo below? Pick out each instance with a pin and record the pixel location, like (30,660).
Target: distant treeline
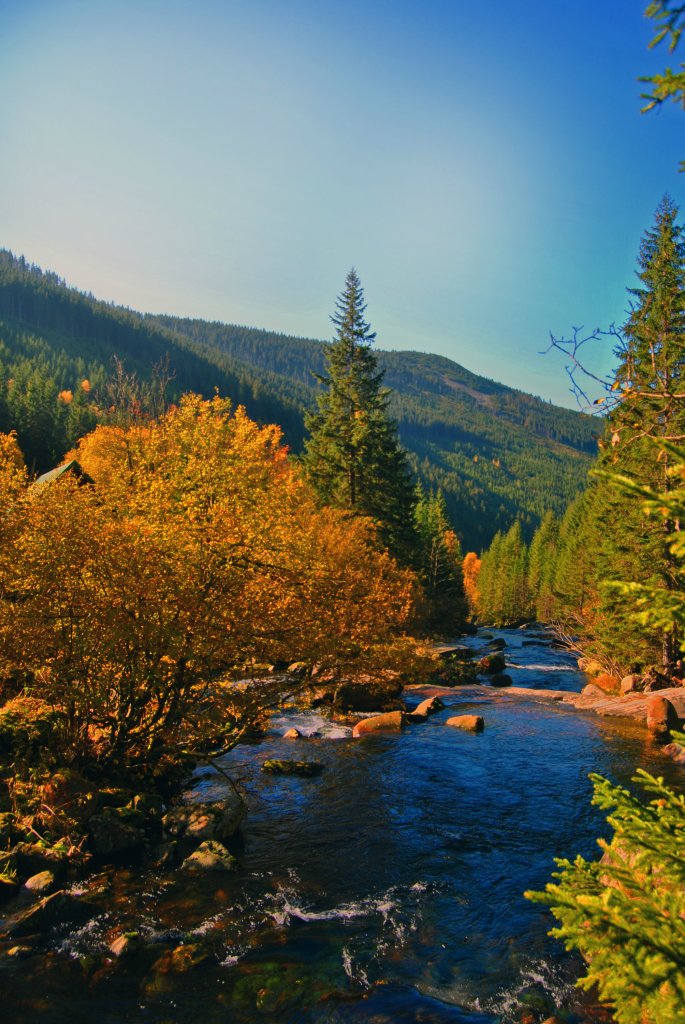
(497,454)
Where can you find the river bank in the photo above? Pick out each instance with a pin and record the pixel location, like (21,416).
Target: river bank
(387,888)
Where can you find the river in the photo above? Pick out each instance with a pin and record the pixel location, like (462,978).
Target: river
(388,889)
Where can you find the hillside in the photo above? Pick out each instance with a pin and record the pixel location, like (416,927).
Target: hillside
(496,452)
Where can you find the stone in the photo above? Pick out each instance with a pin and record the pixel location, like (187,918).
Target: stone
(292,734)
(491,664)
(593,692)
(165,855)
(498,644)
(68,792)
(110,836)
(453,652)
(472,723)
(26,727)
(32,858)
(40,884)
(427,707)
(59,909)
(210,856)
(500,679)
(219,819)
(391,721)
(298,668)
(277,766)
(675,751)
(150,805)
(631,683)
(661,717)
(125,945)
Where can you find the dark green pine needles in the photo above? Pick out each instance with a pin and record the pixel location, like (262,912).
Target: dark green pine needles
(353,457)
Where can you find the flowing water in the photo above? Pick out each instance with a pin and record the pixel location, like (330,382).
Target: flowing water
(387,889)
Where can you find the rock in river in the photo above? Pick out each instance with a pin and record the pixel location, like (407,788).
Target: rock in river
(472,723)
(392,721)
(500,679)
(276,766)
(491,664)
(661,716)
(210,856)
(427,707)
(217,820)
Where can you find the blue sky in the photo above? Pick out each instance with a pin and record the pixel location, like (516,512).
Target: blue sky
(484,166)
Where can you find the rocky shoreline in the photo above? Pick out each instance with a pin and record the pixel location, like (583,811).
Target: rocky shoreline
(186,835)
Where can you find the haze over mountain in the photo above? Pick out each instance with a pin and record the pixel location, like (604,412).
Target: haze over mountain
(497,452)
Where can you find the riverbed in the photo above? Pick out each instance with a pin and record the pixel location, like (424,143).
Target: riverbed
(386,889)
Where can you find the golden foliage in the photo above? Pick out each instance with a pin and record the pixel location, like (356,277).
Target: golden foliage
(471,569)
(199,547)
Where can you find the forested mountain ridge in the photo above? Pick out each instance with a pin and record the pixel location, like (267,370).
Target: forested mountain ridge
(496,452)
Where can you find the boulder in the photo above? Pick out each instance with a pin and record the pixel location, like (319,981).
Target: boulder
(40,884)
(593,692)
(110,836)
(427,707)
(210,856)
(391,721)
(59,909)
(298,668)
(675,751)
(500,679)
(69,793)
(277,766)
(472,723)
(366,692)
(498,644)
(218,819)
(125,945)
(26,727)
(631,684)
(32,858)
(150,805)
(453,652)
(292,734)
(491,664)
(661,717)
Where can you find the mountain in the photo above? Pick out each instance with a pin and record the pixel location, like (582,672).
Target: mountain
(496,452)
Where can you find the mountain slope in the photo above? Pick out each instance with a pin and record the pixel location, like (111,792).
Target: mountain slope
(496,452)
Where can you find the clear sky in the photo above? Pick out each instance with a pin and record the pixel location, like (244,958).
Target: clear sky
(484,166)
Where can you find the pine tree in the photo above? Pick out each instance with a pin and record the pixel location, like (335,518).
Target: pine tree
(503,580)
(353,457)
(541,559)
(628,546)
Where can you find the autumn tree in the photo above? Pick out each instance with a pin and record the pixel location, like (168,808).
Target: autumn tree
(471,572)
(352,456)
(198,550)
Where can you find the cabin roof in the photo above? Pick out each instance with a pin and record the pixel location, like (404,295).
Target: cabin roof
(67,467)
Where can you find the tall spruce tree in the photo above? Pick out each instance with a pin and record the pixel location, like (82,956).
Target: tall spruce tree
(353,457)
(651,380)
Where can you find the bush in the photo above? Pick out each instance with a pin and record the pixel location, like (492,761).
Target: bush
(626,913)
